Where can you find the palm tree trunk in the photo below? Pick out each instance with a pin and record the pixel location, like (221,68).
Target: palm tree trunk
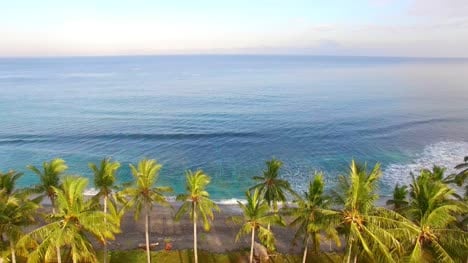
(13,252)
(148,256)
(316,243)
(252,245)
(195,233)
(105,223)
(349,251)
(57,248)
(305,250)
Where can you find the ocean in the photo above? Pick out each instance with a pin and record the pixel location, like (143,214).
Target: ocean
(228,114)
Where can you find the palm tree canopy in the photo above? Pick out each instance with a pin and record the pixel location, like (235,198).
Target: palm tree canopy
(433,212)
(8,181)
(74,221)
(256,215)
(49,176)
(399,197)
(358,190)
(144,192)
(271,186)
(16,212)
(197,198)
(312,214)
(371,232)
(104,176)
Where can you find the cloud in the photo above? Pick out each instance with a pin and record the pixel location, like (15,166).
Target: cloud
(439,8)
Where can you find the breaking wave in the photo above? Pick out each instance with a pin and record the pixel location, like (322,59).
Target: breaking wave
(446,154)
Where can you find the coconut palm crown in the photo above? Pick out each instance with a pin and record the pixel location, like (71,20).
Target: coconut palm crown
(16,211)
(271,186)
(433,212)
(71,226)
(367,228)
(49,177)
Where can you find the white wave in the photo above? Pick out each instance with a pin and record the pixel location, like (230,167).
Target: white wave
(230,201)
(90,192)
(445,154)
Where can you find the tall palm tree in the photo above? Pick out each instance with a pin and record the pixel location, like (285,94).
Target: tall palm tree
(104,181)
(72,225)
(312,216)
(433,212)
(49,180)
(272,188)
(16,211)
(399,197)
(367,228)
(144,193)
(197,203)
(256,216)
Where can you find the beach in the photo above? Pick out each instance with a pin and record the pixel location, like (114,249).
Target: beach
(221,237)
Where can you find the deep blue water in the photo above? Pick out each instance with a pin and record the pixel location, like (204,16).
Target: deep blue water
(228,114)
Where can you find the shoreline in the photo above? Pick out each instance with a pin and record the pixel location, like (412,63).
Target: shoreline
(220,238)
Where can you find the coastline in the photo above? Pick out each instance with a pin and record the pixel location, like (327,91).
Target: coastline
(220,238)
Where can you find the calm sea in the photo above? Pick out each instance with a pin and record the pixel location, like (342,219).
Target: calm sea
(228,114)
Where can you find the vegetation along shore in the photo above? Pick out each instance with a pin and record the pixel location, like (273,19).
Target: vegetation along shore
(425,221)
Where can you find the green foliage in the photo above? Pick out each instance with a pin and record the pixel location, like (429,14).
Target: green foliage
(186,256)
(368,230)
(430,225)
(399,199)
(49,177)
(433,212)
(313,217)
(257,216)
(144,192)
(271,186)
(71,226)
(104,176)
(16,210)
(197,199)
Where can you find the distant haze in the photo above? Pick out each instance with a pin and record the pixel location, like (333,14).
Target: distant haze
(419,28)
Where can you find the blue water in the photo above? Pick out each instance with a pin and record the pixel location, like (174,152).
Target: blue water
(228,114)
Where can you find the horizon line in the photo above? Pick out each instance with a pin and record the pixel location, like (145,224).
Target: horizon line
(228,54)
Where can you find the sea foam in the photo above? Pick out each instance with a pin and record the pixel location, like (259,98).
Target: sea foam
(446,154)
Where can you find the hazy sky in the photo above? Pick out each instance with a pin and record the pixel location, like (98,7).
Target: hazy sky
(321,27)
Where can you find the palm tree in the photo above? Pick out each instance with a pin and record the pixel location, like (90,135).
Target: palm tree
(71,226)
(272,187)
(8,181)
(399,197)
(256,217)
(143,194)
(367,228)
(49,178)
(16,210)
(433,212)
(197,203)
(312,216)
(104,180)
(460,177)
(49,181)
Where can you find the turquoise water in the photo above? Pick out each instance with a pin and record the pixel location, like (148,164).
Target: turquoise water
(228,114)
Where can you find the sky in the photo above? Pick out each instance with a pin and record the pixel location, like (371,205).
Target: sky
(416,28)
